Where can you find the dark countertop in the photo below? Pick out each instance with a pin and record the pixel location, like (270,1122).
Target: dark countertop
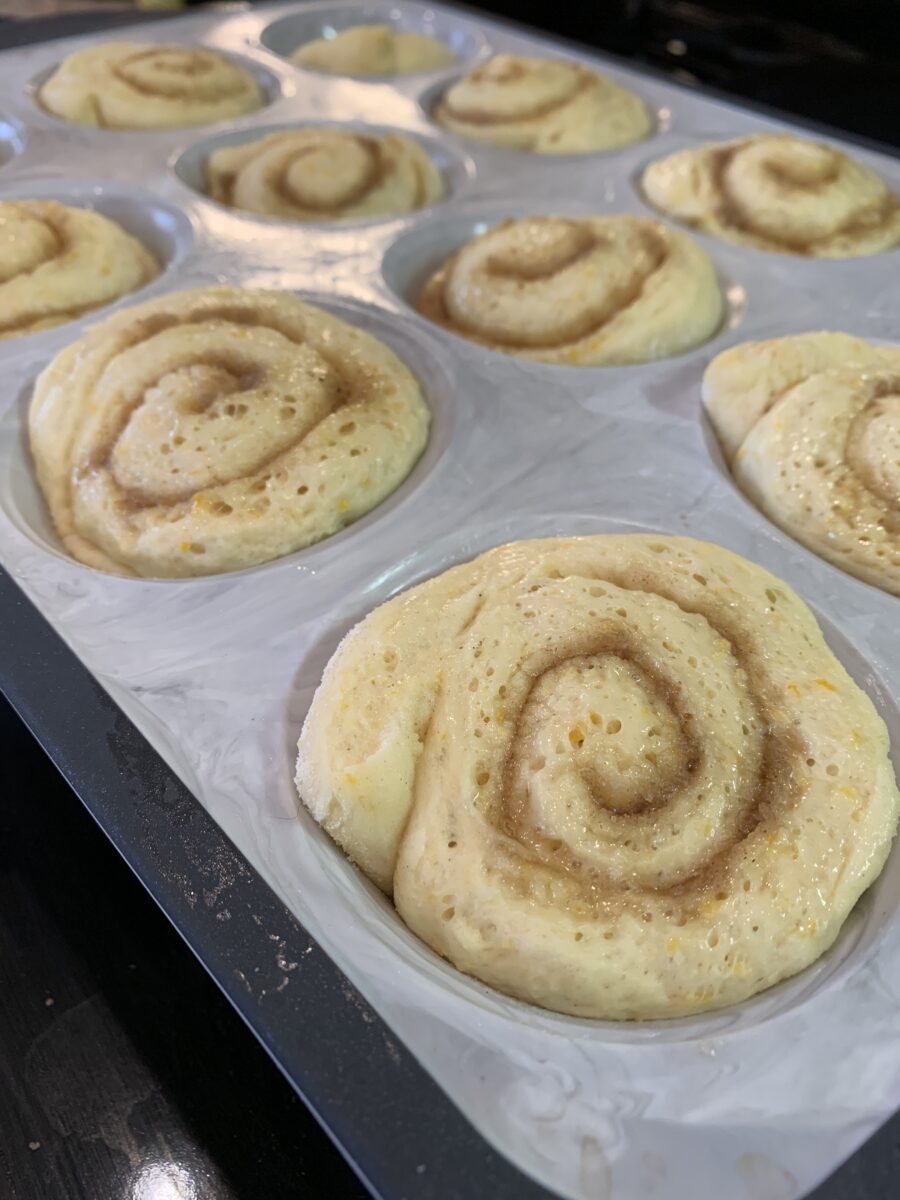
(124,1073)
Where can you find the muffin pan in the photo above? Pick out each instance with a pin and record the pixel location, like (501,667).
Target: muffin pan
(760,1100)
(415,254)
(462,37)
(456,168)
(268,81)
(163,228)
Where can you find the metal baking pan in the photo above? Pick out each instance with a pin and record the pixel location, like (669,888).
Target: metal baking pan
(173,706)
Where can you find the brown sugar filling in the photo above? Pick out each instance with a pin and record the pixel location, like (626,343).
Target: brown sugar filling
(29,320)
(372,176)
(542,868)
(481,117)
(732,213)
(880,390)
(190,64)
(244,378)
(432,302)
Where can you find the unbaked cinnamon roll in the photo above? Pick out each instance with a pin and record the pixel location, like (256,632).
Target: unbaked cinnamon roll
(374,50)
(615,776)
(547,106)
(219,428)
(58,262)
(320,174)
(810,425)
(136,85)
(778,192)
(586,291)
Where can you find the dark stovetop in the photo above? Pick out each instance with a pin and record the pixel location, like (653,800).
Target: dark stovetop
(831,61)
(124,1074)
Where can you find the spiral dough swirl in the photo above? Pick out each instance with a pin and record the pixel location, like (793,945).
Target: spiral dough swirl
(810,425)
(57,263)
(374,50)
(778,192)
(578,290)
(133,85)
(616,776)
(546,106)
(325,175)
(218,428)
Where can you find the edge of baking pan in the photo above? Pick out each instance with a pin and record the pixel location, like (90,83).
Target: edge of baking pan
(397,1129)
(389,1118)
(45,29)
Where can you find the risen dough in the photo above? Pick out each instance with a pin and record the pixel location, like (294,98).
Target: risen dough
(616,776)
(374,50)
(547,106)
(320,174)
(810,425)
(778,192)
(218,428)
(57,263)
(579,290)
(136,85)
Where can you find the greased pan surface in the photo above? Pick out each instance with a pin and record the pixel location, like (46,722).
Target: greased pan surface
(760,1100)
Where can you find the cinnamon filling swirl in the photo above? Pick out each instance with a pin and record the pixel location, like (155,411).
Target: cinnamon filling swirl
(780,193)
(811,425)
(325,174)
(58,263)
(125,85)
(617,776)
(219,428)
(545,106)
(589,290)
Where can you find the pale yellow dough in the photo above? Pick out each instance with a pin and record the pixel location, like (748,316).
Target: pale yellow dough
(374,50)
(138,85)
(810,425)
(778,192)
(547,106)
(586,291)
(218,428)
(57,263)
(319,174)
(615,776)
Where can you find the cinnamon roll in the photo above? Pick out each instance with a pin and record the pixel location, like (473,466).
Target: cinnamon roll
(587,291)
(810,425)
(374,50)
(778,192)
(615,776)
(320,174)
(57,263)
(219,428)
(136,85)
(547,106)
